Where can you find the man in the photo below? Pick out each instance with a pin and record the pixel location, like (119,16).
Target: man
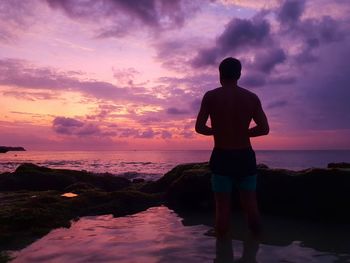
(231,109)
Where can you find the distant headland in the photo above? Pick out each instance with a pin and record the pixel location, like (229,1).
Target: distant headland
(5,149)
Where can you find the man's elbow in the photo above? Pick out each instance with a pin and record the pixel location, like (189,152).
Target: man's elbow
(266,130)
(198,129)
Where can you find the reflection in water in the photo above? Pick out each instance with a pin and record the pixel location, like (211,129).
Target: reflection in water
(69,195)
(160,235)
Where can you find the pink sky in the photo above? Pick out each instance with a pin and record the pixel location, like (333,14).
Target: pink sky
(109,75)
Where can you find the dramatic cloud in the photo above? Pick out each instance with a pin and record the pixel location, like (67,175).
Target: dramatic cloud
(239,34)
(327,99)
(70,126)
(120,16)
(15,17)
(308,34)
(21,74)
(268,59)
(253,80)
(291,11)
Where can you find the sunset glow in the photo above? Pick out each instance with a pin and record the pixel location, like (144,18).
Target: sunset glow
(110,75)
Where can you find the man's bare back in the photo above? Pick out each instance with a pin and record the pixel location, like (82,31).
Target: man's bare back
(231,109)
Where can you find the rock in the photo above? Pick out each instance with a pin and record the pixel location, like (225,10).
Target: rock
(317,194)
(36,178)
(80,187)
(138,180)
(5,149)
(163,183)
(192,189)
(262,166)
(339,165)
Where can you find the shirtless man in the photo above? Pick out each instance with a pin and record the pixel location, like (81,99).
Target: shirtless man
(231,109)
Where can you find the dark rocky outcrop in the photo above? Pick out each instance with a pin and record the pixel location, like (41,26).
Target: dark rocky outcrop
(317,194)
(5,149)
(339,165)
(35,178)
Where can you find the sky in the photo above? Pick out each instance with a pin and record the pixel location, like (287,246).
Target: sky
(130,74)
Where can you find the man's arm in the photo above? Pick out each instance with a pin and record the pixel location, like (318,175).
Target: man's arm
(202,118)
(262,125)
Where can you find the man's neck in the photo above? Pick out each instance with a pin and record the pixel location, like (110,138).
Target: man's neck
(229,85)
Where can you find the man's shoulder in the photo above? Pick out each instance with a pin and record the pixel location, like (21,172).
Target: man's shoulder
(249,93)
(212,92)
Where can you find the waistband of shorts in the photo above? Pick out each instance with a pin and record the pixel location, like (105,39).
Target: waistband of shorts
(240,150)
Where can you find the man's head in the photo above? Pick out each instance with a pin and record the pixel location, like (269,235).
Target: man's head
(230,69)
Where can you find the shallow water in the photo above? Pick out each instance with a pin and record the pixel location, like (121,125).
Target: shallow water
(161,235)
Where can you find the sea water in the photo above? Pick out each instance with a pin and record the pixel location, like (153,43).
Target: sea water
(151,165)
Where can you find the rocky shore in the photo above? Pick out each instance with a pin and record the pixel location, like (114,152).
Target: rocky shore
(32,200)
(5,149)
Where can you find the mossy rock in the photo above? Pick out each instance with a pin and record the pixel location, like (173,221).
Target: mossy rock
(36,178)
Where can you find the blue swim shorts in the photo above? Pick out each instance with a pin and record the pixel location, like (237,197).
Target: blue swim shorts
(224,184)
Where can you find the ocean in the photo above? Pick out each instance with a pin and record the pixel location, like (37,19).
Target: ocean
(151,165)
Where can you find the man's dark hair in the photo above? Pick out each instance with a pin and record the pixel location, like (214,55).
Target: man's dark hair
(230,68)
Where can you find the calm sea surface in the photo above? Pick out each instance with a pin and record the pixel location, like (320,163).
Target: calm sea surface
(153,164)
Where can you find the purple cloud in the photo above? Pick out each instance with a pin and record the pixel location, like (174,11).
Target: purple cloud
(282,80)
(239,34)
(290,11)
(308,33)
(15,17)
(122,15)
(31,96)
(71,126)
(127,132)
(176,111)
(268,59)
(125,76)
(166,135)
(66,126)
(21,74)
(253,79)
(277,104)
(148,134)
(188,134)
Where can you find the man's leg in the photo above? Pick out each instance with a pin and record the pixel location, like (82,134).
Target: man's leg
(223,215)
(251,211)
(222,187)
(247,194)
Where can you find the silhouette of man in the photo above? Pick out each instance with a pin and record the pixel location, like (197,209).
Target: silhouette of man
(232,162)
